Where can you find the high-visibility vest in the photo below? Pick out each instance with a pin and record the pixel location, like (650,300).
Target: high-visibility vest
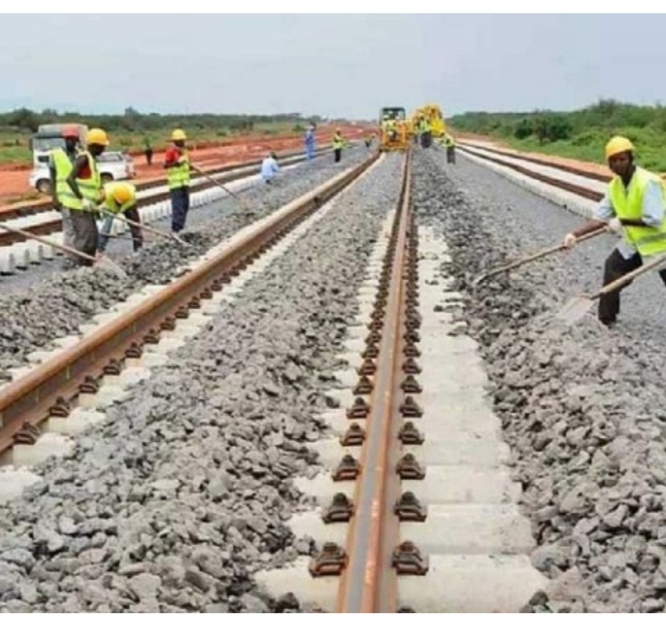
(338,142)
(179,175)
(628,204)
(63,166)
(90,187)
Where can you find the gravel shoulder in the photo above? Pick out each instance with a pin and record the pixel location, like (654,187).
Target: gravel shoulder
(582,408)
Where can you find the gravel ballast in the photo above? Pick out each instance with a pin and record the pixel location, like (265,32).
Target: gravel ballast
(582,408)
(174,501)
(34,314)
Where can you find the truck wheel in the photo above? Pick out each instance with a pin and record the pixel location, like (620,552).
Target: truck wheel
(106,178)
(44,186)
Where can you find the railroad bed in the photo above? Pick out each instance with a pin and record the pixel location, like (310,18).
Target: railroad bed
(338,422)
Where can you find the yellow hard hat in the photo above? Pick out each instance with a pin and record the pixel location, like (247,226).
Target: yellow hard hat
(178,135)
(98,136)
(123,192)
(617,145)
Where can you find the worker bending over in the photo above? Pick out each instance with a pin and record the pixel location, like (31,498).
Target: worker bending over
(177,164)
(120,199)
(634,206)
(61,164)
(84,193)
(269,168)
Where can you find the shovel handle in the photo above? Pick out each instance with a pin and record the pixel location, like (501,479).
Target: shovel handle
(543,253)
(122,218)
(46,242)
(627,278)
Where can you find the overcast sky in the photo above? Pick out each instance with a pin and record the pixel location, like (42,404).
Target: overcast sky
(332,65)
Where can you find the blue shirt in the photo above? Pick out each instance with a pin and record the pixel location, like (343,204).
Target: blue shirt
(309,137)
(653,213)
(269,168)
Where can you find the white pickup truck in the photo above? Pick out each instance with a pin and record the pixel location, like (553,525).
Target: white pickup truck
(112,166)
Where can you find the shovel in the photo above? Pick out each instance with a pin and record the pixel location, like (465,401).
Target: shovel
(533,257)
(102,262)
(219,184)
(148,229)
(576,308)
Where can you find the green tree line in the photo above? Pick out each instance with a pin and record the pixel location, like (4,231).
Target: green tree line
(578,134)
(26,120)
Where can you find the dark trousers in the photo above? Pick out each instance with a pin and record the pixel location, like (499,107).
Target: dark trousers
(149,156)
(85,234)
(338,154)
(617,266)
(137,234)
(180,205)
(450,154)
(426,139)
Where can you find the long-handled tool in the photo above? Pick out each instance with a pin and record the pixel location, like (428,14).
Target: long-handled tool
(245,205)
(577,307)
(149,229)
(103,262)
(533,257)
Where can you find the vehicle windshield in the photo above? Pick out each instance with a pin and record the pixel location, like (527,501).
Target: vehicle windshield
(44,144)
(394,114)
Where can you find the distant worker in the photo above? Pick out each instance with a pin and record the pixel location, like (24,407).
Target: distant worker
(269,168)
(177,164)
(426,133)
(120,199)
(450,144)
(633,205)
(148,150)
(310,142)
(61,163)
(338,142)
(85,194)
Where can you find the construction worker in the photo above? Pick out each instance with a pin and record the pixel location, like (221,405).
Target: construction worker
(120,199)
(426,134)
(338,142)
(61,163)
(177,164)
(84,193)
(450,144)
(148,150)
(310,142)
(634,205)
(269,168)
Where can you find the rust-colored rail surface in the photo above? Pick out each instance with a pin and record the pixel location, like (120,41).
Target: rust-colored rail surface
(579,190)
(50,389)
(373,556)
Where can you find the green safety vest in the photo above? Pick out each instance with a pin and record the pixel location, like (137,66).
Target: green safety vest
(63,166)
(90,187)
(449,141)
(337,142)
(628,205)
(179,175)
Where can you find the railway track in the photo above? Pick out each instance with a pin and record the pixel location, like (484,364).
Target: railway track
(52,389)
(579,182)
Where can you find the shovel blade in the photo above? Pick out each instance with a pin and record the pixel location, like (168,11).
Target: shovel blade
(575,310)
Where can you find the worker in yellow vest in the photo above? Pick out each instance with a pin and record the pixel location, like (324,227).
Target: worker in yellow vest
(61,163)
(450,144)
(83,193)
(338,142)
(120,199)
(177,164)
(634,206)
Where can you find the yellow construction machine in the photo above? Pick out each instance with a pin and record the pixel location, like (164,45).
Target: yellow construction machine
(433,114)
(393,125)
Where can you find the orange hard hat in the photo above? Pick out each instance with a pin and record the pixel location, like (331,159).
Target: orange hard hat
(71,131)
